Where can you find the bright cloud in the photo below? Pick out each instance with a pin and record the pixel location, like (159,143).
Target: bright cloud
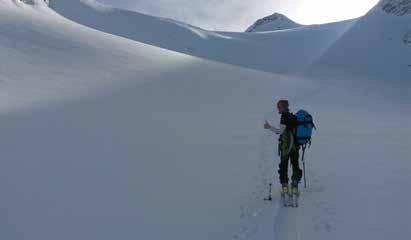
(321,11)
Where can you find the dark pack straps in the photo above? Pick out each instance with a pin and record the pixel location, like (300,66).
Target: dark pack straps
(308,141)
(299,123)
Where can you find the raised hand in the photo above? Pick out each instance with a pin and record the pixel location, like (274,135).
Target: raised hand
(267,125)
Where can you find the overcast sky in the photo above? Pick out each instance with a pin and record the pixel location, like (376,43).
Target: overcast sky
(237,15)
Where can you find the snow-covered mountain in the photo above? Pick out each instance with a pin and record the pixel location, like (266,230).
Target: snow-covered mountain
(273,22)
(265,51)
(106,137)
(376,46)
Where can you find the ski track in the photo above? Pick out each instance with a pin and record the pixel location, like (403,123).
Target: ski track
(256,208)
(286,223)
(271,219)
(263,218)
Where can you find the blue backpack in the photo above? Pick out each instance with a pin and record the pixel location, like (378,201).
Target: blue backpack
(304,129)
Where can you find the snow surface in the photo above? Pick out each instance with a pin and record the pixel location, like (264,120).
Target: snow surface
(264,51)
(407,38)
(372,48)
(107,138)
(273,22)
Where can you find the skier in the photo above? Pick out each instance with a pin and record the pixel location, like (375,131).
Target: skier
(288,148)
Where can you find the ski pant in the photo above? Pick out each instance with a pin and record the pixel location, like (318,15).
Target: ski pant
(293,156)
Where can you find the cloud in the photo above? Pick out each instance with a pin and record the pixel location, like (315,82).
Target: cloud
(97,5)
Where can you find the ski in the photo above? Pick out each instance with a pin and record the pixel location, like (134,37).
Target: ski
(285,196)
(288,199)
(285,199)
(295,197)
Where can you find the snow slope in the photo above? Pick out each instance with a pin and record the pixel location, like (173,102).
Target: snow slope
(375,47)
(273,22)
(264,51)
(107,138)
(318,50)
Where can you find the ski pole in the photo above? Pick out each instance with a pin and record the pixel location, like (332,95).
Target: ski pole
(269,193)
(305,180)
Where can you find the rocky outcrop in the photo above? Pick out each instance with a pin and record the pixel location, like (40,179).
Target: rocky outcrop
(33,2)
(396,7)
(272,23)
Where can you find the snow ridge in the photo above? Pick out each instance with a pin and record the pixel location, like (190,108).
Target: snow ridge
(396,7)
(273,22)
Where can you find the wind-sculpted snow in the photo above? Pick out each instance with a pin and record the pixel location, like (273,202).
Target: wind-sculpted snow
(396,7)
(272,23)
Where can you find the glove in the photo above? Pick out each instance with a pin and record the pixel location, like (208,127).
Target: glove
(267,125)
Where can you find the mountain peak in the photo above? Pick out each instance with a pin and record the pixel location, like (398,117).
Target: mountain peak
(396,7)
(276,21)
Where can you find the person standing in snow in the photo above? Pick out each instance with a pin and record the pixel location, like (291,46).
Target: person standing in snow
(288,147)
